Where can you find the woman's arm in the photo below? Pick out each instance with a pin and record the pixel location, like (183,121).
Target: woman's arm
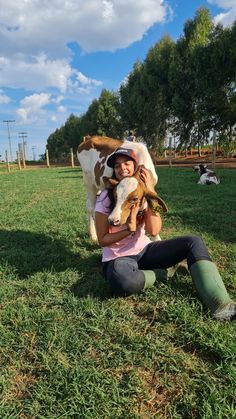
(153,222)
(102,228)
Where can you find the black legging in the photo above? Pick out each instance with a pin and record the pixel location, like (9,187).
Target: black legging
(125,276)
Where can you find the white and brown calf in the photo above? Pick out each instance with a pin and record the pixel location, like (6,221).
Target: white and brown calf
(92,155)
(129,191)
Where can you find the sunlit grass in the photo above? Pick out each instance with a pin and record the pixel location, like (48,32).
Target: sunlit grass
(69,349)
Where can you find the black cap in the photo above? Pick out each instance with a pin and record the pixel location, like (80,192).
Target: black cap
(122,152)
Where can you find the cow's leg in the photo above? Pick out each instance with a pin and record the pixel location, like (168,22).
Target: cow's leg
(91,191)
(91,201)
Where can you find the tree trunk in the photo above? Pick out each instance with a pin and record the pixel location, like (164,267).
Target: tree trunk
(170,152)
(214,150)
(199,150)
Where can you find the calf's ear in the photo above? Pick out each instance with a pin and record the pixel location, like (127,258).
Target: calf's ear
(110,183)
(139,170)
(156,203)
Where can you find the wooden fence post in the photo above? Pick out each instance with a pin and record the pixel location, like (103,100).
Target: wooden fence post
(72,157)
(7,161)
(18,159)
(47,158)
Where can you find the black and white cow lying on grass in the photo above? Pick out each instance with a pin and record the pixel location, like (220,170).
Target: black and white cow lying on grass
(207,176)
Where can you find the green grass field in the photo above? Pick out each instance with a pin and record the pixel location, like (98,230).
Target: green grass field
(70,350)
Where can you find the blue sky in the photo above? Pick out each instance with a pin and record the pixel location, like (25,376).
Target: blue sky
(57,56)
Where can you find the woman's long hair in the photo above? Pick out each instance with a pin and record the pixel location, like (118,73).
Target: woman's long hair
(111,195)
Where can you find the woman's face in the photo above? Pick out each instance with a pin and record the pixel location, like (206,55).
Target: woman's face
(123,167)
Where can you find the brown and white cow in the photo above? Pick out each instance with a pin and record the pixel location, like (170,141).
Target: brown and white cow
(92,155)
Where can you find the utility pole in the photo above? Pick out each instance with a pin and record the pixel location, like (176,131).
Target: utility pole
(34,152)
(24,135)
(9,137)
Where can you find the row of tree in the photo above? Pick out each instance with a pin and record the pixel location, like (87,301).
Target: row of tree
(185,88)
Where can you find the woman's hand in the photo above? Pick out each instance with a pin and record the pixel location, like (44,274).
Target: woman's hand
(132,220)
(147,178)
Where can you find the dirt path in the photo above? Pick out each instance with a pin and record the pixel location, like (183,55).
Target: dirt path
(229,163)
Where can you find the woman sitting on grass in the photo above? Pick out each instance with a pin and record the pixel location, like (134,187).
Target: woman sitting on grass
(132,262)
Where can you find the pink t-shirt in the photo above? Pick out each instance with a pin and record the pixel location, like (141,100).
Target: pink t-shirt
(130,245)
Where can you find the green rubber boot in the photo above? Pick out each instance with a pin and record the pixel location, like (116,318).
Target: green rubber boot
(212,291)
(151,277)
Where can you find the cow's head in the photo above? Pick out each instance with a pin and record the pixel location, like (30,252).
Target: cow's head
(201,169)
(129,191)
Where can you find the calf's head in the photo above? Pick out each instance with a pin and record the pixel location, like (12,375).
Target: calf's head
(129,191)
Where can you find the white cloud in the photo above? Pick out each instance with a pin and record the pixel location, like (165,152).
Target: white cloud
(35,26)
(36,73)
(32,107)
(229,16)
(108,10)
(58,99)
(225,4)
(39,73)
(4,99)
(62,109)
(85,81)
(36,101)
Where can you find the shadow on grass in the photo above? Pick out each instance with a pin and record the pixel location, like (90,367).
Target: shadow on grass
(28,252)
(24,253)
(92,282)
(182,285)
(92,287)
